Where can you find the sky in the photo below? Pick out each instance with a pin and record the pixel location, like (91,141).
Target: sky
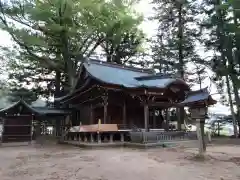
(149,28)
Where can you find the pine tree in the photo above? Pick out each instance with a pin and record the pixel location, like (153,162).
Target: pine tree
(223,38)
(173,47)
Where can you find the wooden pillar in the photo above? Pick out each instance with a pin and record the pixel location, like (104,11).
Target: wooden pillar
(91,138)
(111,138)
(124,113)
(122,137)
(63,126)
(180,117)
(38,132)
(105,113)
(3,125)
(99,138)
(91,114)
(154,119)
(105,107)
(31,131)
(167,119)
(146,117)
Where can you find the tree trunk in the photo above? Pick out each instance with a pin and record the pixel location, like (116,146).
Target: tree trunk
(227,44)
(57,104)
(232,74)
(71,71)
(237,37)
(57,86)
(237,99)
(202,123)
(180,59)
(231,107)
(69,64)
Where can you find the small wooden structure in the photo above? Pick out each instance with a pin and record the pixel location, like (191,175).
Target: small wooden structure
(198,102)
(18,120)
(199,98)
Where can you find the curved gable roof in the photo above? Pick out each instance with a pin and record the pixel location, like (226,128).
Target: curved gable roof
(35,110)
(201,95)
(126,76)
(16,104)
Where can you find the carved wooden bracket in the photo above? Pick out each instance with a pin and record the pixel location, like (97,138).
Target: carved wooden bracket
(105,98)
(146,98)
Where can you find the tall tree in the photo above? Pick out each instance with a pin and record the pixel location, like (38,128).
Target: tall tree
(174,45)
(223,38)
(60,34)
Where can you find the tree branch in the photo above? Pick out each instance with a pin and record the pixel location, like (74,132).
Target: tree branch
(49,62)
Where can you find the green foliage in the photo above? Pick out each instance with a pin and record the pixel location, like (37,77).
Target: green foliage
(57,35)
(222,23)
(26,78)
(16,93)
(174,46)
(120,48)
(223,37)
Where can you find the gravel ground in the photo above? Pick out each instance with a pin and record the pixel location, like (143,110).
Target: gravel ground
(71,163)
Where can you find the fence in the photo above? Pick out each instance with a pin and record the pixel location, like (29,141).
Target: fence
(153,137)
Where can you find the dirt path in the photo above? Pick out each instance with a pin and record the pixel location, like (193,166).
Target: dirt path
(69,163)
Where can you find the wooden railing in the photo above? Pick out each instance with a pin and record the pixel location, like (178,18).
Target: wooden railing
(128,127)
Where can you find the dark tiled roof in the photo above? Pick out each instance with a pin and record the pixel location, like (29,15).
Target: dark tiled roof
(51,111)
(127,76)
(20,102)
(199,96)
(36,110)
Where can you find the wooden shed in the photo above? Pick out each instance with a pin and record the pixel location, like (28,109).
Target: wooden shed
(17,120)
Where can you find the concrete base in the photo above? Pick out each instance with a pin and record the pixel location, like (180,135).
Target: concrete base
(189,143)
(93,145)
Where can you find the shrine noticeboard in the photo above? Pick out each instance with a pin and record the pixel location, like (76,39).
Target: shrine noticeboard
(198,113)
